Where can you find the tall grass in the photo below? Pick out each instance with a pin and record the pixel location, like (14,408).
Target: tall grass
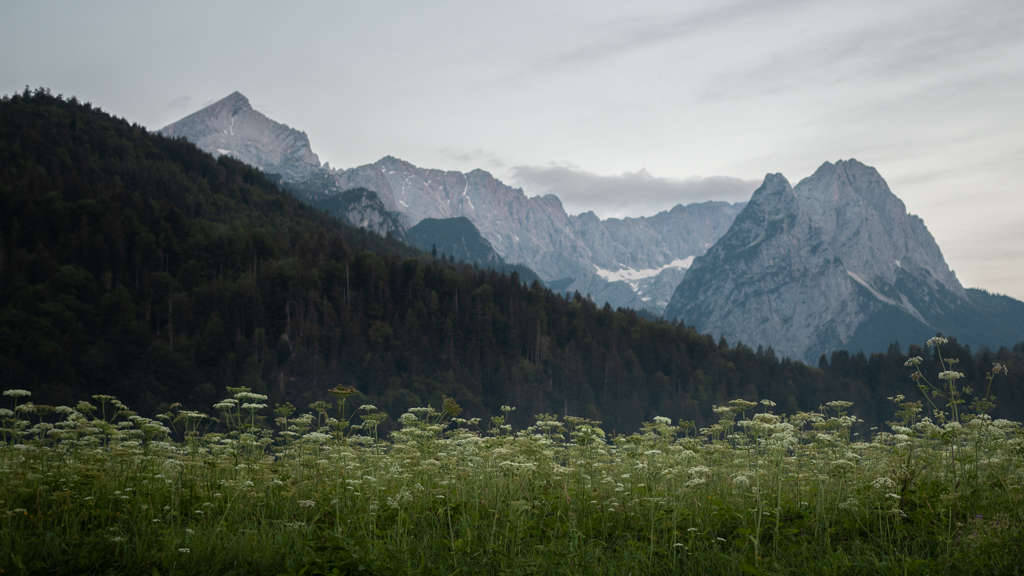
(96,489)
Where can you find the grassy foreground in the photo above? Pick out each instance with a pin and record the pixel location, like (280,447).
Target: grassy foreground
(96,489)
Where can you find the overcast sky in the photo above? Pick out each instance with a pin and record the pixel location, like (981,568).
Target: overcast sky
(620,108)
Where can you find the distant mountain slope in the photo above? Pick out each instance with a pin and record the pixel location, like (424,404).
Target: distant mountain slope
(629,262)
(455,237)
(458,238)
(651,254)
(358,207)
(834,263)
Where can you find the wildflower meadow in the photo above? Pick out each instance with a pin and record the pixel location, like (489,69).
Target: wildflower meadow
(255,489)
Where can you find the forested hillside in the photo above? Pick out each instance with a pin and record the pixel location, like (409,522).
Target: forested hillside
(140,266)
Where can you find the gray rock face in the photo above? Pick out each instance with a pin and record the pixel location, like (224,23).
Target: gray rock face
(232,127)
(652,254)
(630,262)
(361,208)
(804,269)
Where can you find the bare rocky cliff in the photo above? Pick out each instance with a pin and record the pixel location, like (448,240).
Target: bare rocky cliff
(810,269)
(231,126)
(629,262)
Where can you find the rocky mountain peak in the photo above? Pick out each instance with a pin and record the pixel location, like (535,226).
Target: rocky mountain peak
(774,197)
(803,269)
(232,104)
(231,126)
(869,227)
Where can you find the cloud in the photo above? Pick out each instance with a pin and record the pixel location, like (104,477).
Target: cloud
(661,30)
(922,42)
(627,194)
(474,158)
(181,102)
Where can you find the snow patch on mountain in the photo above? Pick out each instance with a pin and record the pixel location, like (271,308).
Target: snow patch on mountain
(628,274)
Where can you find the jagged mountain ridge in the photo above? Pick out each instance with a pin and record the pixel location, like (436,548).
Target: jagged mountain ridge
(826,265)
(629,262)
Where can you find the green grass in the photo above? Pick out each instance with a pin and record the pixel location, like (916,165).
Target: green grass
(96,489)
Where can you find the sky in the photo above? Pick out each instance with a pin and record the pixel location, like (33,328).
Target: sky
(622,108)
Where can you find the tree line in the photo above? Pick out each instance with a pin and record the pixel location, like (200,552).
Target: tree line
(140,266)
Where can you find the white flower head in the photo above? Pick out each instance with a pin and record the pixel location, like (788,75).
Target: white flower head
(884,483)
(317,437)
(15,393)
(839,405)
(250,396)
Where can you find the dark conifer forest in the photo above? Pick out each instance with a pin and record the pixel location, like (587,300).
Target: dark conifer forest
(141,267)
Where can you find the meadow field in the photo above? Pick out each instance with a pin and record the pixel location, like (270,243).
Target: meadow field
(255,489)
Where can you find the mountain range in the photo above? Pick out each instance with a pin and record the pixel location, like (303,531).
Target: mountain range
(834,262)
(630,262)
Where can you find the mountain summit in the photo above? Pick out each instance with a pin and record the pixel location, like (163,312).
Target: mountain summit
(231,126)
(836,262)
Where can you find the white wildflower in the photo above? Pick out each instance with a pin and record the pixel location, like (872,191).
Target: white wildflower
(883,483)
